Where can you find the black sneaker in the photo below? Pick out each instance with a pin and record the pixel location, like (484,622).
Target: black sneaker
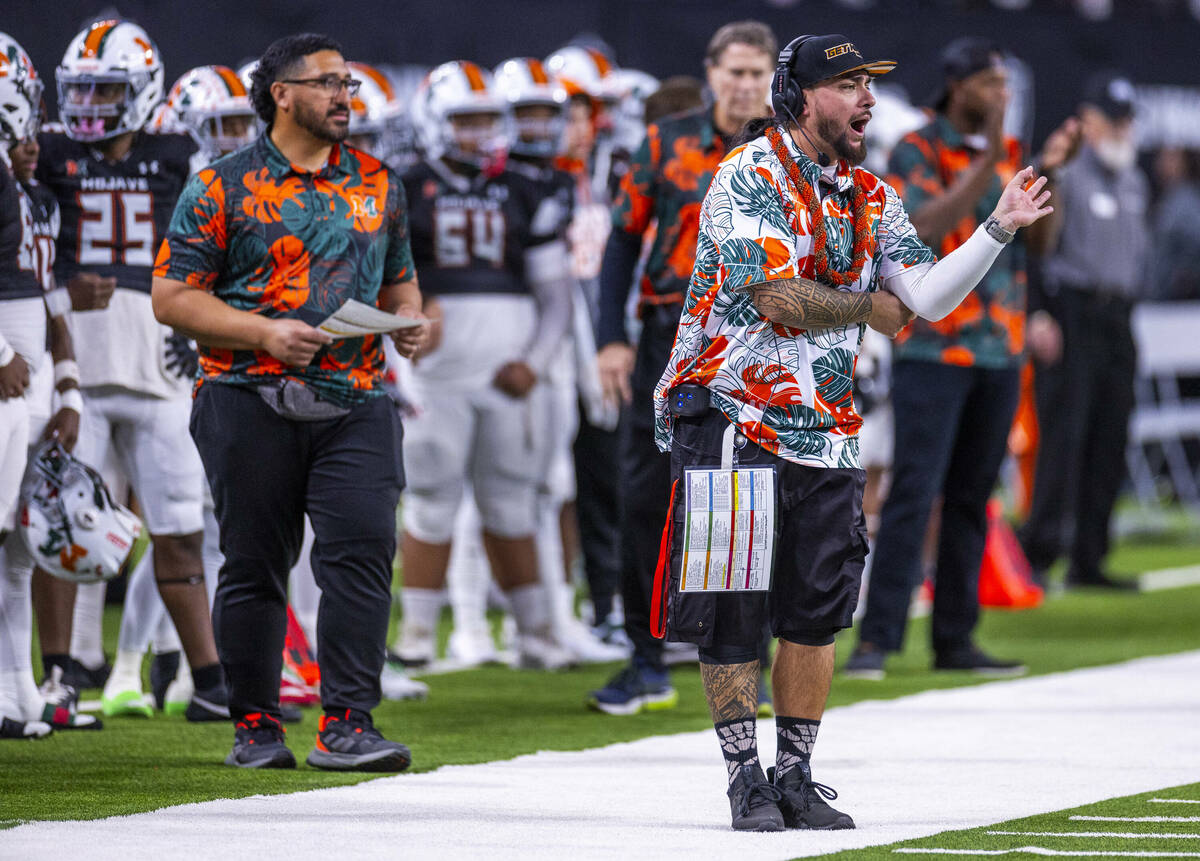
(804,803)
(350,742)
(81,678)
(975,660)
(209,705)
(258,743)
(754,802)
(163,667)
(865,662)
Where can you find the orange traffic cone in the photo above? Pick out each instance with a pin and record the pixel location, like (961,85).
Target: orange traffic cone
(1005,577)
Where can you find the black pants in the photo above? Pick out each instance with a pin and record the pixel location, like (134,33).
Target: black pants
(596,458)
(645,484)
(1083,407)
(952,428)
(266,472)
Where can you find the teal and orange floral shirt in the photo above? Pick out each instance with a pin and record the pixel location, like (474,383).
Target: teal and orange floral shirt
(987,329)
(788,390)
(268,237)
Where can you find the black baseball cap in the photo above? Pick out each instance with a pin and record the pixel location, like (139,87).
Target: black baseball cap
(961,59)
(1111,94)
(820,58)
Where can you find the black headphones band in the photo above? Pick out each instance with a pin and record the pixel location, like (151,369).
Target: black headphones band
(782,85)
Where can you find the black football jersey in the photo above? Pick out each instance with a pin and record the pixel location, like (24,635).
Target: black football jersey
(114,214)
(18,246)
(44,212)
(469,235)
(555,185)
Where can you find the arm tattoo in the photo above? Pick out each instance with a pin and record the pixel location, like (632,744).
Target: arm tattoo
(804,304)
(731,689)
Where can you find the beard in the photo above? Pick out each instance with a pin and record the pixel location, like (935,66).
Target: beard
(322,125)
(828,130)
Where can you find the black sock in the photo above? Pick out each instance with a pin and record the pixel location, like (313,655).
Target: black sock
(51,661)
(206,678)
(739,743)
(794,744)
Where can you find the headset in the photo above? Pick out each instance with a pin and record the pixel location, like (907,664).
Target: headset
(787,96)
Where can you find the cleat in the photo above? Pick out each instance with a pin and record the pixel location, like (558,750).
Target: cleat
(24,728)
(634,689)
(396,685)
(973,659)
(61,704)
(612,632)
(208,705)
(126,703)
(865,662)
(163,669)
(258,742)
(587,648)
(472,647)
(538,652)
(81,678)
(804,802)
(350,742)
(754,801)
(179,693)
(122,694)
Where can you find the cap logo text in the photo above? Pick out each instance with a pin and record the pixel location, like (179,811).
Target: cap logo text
(844,48)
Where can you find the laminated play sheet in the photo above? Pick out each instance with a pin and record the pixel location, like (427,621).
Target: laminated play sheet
(728,530)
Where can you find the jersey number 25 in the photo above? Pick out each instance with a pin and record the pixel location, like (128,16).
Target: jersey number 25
(116,227)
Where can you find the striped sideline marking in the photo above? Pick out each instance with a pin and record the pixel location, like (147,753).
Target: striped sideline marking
(1173,800)
(1058,853)
(1135,818)
(1127,835)
(1169,578)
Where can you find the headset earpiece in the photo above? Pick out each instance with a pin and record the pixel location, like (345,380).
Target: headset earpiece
(787,97)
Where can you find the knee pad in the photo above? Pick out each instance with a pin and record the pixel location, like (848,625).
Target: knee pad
(429,514)
(728,654)
(816,637)
(507,506)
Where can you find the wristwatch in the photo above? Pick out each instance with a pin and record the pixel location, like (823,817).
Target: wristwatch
(994,230)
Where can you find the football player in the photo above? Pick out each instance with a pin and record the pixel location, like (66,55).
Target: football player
(491,258)
(28,228)
(212,104)
(116,184)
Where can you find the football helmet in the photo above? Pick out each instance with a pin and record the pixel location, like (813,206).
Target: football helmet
(109,81)
(70,522)
(373,108)
(212,104)
(586,71)
(454,90)
(629,126)
(522,83)
(20,94)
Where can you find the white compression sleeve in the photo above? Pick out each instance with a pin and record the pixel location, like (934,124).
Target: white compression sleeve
(547,268)
(934,290)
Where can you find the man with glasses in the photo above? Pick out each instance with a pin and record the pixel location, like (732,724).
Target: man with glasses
(289,421)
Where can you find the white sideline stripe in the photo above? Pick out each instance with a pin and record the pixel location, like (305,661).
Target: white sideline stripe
(1058,853)
(1125,835)
(1169,578)
(1173,800)
(1135,818)
(908,768)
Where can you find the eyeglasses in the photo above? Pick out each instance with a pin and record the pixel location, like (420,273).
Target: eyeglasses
(331,84)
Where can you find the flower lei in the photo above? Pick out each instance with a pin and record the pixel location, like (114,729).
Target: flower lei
(862,240)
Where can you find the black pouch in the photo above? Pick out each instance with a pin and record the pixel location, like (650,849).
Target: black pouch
(296,401)
(688,399)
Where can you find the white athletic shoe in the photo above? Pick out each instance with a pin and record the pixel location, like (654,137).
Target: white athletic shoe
(397,685)
(417,646)
(60,704)
(179,692)
(587,648)
(536,652)
(472,646)
(123,691)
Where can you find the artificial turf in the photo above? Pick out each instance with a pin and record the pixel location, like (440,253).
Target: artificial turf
(137,764)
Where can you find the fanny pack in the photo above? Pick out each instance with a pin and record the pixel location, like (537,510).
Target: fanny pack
(293,400)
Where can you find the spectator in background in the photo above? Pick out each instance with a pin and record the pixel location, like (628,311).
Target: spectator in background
(955,382)
(1095,271)
(1175,265)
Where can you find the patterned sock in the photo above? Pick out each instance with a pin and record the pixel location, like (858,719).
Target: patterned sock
(739,743)
(796,737)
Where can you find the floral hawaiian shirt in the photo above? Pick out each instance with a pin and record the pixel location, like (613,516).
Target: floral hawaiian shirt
(788,390)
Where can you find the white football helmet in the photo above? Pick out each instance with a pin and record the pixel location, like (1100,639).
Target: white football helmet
(523,82)
(109,81)
(458,89)
(629,125)
(70,522)
(372,108)
(587,71)
(20,94)
(212,104)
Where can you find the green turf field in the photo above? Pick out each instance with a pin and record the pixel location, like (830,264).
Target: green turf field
(1086,830)
(494,713)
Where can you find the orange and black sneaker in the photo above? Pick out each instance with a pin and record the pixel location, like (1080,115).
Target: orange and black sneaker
(258,743)
(348,741)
